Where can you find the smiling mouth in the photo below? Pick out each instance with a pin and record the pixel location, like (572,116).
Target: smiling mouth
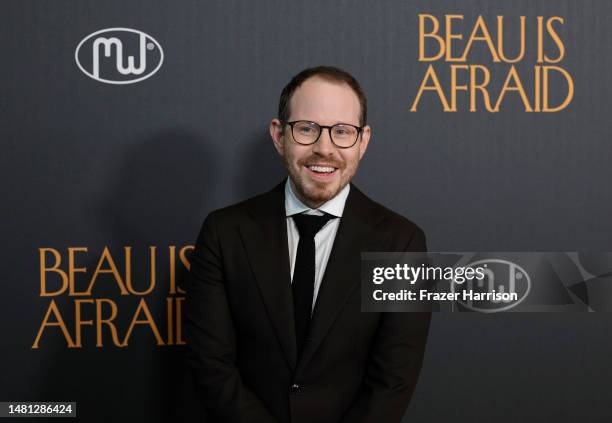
(322,169)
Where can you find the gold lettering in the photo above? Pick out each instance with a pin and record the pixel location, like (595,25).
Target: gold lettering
(106,256)
(455,86)
(72,269)
(44,269)
(78,322)
(480,25)
(450,36)
(570,89)
(179,314)
(142,306)
(152,279)
(482,87)
(59,322)
(106,321)
(553,34)
(500,41)
(431,73)
(513,76)
(433,34)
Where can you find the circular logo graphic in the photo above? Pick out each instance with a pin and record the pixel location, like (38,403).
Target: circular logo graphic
(119,56)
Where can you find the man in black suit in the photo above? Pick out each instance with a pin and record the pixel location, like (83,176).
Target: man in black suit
(273,321)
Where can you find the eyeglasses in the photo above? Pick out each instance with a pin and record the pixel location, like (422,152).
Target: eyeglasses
(343,135)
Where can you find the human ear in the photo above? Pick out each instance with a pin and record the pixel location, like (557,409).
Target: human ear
(366,133)
(276,133)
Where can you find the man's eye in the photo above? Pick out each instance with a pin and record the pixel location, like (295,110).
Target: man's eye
(343,132)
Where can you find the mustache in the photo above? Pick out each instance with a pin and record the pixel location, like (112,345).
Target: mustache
(318,161)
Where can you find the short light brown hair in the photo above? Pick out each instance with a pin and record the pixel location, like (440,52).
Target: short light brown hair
(326,72)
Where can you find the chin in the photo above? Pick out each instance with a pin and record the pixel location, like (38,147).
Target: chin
(319,195)
(316,192)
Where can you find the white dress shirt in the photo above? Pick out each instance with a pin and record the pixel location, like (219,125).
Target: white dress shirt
(324,239)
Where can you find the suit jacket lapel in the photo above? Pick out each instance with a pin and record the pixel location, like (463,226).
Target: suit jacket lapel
(265,241)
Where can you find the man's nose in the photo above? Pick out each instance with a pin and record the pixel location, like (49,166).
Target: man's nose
(324,146)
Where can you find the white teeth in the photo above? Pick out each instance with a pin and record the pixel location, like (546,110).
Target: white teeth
(322,169)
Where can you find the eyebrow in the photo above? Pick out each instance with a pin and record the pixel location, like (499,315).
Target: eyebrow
(337,122)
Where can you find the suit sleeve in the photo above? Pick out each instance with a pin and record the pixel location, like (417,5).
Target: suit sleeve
(211,339)
(394,362)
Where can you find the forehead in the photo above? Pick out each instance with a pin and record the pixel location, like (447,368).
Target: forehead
(326,102)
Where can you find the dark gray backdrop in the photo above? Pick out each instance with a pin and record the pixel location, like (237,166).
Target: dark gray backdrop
(91,164)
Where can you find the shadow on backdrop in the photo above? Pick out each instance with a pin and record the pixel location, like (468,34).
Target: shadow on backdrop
(260,168)
(158,197)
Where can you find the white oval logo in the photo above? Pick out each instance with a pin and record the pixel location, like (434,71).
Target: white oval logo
(501,276)
(104,56)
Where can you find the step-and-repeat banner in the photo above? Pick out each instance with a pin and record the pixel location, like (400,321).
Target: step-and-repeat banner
(123,124)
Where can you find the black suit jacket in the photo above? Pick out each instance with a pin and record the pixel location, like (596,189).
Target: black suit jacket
(239,326)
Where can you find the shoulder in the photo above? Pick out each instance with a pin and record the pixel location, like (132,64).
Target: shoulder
(263,205)
(381,218)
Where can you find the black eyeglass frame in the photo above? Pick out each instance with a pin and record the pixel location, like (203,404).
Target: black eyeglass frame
(329,128)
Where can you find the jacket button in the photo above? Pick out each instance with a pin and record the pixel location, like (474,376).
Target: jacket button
(296,389)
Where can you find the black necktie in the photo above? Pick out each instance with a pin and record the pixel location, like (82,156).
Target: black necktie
(304,272)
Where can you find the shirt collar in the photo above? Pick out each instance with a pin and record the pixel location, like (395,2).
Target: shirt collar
(335,206)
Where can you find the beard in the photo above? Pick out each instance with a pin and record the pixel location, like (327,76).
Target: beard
(314,193)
